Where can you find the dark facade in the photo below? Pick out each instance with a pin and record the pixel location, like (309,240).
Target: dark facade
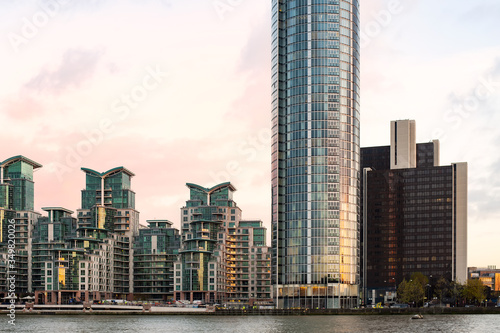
(414,218)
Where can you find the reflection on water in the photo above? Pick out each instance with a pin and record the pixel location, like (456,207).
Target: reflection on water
(255,324)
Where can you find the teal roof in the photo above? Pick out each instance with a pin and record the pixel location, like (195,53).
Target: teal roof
(18,158)
(109,172)
(216,187)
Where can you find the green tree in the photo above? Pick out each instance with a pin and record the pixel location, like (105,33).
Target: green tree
(403,292)
(456,292)
(474,290)
(442,288)
(419,278)
(411,292)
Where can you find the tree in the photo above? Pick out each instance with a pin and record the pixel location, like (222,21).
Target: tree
(442,288)
(456,291)
(403,292)
(474,291)
(411,291)
(420,279)
(448,291)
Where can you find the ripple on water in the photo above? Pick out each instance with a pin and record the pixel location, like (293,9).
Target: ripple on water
(256,324)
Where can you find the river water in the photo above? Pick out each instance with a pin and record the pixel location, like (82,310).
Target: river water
(253,324)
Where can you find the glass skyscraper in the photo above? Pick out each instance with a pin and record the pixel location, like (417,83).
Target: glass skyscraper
(315,153)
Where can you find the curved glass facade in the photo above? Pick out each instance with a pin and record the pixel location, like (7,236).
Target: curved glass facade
(315,153)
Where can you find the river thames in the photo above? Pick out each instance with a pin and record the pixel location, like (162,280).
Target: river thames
(254,324)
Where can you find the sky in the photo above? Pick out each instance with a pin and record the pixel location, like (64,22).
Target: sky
(179,92)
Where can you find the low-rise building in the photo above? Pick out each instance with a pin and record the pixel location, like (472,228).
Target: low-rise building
(489,276)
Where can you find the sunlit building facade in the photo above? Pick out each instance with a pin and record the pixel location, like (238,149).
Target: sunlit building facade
(315,153)
(489,276)
(248,264)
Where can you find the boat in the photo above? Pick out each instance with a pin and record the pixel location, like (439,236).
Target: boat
(417,316)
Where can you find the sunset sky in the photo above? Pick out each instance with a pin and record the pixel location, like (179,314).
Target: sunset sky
(178,91)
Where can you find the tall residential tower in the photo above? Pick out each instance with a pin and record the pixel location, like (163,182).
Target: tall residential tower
(315,153)
(17,218)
